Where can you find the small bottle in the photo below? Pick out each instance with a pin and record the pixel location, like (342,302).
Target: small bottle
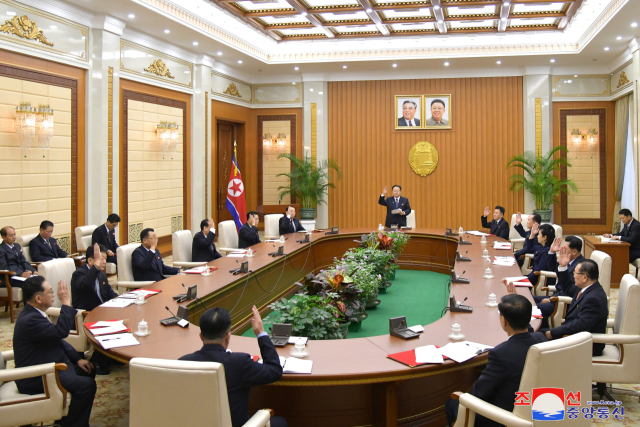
(249,253)
(485,254)
(140,299)
(143,328)
(460,230)
(281,239)
(380,227)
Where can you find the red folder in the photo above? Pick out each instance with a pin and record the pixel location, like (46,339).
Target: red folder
(90,327)
(525,283)
(408,358)
(210,270)
(152,290)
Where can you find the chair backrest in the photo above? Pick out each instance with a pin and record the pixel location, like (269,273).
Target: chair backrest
(202,387)
(411,219)
(125,269)
(558,229)
(542,369)
(227,234)
(604,266)
(627,319)
(24,242)
(182,244)
(83,236)
(56,270)
(272,225)
(513,234)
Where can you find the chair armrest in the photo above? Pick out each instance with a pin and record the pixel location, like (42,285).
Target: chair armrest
(259,419)
(492,412)
(615,339)
(517,240)
(189,264)
(610,323)
(13,273)
(228,249)
(35,264)
(7,375)
(73,254)
(53,311)
(550,274)
(564,300)
(8,355)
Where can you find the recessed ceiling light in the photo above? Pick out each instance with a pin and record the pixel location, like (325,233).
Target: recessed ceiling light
(635,24)
(619,38)
(53,27)
(503,19)
(436,7)
(296,68)
(507,3)
(186,71)
(446,64)
(304,13)
(344,66)
(131,15)
(606,48)
(575,75)
(553,60)
(167,31)
(321,93)
(498,62)
(311,90)
(369,10)
(9,13)
(569,81)
(293,83)
(239,61)
(195,43)
(219,53)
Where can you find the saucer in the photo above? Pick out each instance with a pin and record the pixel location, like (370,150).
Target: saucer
(456,337)
(142,335)
(140,303)
(488,277)
(294,353)
(491,304)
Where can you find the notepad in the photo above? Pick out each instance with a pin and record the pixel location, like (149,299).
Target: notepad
(145,292)
(109,330)
(536,313)
(417,329)
(293,340)
(502,245)
(104,323)
(293,365)
(200,270)
(477,233)
(118,303)
(459,351)
(428,354)
(19,278)
(116,341)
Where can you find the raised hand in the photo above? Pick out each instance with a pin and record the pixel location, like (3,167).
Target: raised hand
(384,192)
(64,294)
(518,218)
(487,211)
(256,322)
(511,288)
(555,246)
(97,255)
(564,258)
(534,230)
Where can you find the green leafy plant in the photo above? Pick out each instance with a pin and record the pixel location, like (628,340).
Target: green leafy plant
(364,277)
(308,183)
(339,286)
(539,176)
(310,316)
(382,261)
(400,240)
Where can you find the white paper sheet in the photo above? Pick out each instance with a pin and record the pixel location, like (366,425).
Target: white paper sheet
(480,347)
(118,303)
(134,294)
(105,323)
(502,246)
(236,255)
(477,233)
(197,269)
(459,351)
(108,330)
(19,278)
(118,340)
(516,279)
(293,340)
(293,365)
(536,312)
(428,354)
(417,329)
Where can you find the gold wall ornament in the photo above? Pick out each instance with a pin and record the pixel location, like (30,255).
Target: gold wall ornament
(159,68)
(233,91)
(623,79)
(25,28)
(423,158)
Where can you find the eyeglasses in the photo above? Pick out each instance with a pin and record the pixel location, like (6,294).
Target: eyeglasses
(582,274)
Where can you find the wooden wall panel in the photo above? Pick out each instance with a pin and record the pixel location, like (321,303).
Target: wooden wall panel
(471,173)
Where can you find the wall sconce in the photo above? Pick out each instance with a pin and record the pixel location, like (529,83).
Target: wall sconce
(44,125)
(576,136)
(32,123)
(267,141)
(167,133)
(282,141)
(593,136)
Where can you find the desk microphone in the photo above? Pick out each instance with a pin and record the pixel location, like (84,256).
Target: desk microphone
(462,257)
(461,302)
(465,241)
(460,276)
(458,279)
(170,312)
(198,299)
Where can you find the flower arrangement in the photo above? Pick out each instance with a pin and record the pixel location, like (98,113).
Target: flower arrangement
(310,316)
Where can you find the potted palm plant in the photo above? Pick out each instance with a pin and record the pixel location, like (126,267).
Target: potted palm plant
(540,180)
(308,183)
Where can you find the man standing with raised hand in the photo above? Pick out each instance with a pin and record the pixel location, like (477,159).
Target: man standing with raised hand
(397,207)
(498,226)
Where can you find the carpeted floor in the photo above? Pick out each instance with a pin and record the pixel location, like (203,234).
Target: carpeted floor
(111,406)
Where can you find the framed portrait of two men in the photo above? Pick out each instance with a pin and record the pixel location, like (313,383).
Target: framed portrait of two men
(422,112)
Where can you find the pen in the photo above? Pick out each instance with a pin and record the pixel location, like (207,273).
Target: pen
(111,339)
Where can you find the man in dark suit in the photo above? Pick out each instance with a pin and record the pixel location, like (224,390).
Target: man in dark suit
(12,258)
(500,380)
(397,204)
(531,244)
(248,234)
(44,247)
(203,249)
(289,223)
(90,288)
(588,311)
(240,370)
(630,233)
(37,341)
(409,110)
(106,236)
(498,226)
(146,261)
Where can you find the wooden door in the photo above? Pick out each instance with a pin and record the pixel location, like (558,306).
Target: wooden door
(226,136)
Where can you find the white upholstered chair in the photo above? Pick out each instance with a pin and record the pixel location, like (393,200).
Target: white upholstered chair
(636,264)
(16,294)
(620,360)
(541,369)
(83,241)
(516,241)
(227,237)
(411,219)
(54,271)
(182,245)
(21,409)
(202,386)
(23,241)
(272,226)
(558,229)
(125,270)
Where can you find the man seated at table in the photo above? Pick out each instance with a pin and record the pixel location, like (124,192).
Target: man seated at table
(500,379)
(248,234)
(630,233)
(44,247)
(498,226)
(289,223)
(106,235)
(12,258)
(37,341)
(90,288)
(589,310)
(146,261)
(203,249)
(240,370)
(531,244)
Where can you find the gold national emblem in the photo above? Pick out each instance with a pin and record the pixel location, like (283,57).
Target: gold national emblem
(423,158)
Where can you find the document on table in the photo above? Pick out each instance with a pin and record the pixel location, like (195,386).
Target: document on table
(536,313)
(417,329)
(477,233)
(235,255)
(293,340)
(480,347)
(428,354)
(293,365)
(20,278)
(608,240)
(118,340)
(502,245)
(134,294)
(105,323)
(108,329)
(197,270)
(463,351)
(118,303)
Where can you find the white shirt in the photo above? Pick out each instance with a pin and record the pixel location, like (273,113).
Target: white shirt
(11,246)
(411,122)
(41,312)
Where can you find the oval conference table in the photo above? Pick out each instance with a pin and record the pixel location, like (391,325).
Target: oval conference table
(353,383)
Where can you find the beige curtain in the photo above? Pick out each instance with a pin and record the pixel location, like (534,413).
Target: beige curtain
(622,125)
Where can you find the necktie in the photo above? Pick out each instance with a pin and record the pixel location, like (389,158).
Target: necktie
(98,290)
(294,225)
(579,295)
(410,123)
(49,244)
(396,203)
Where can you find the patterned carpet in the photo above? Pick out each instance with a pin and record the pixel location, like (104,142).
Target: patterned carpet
(111,406)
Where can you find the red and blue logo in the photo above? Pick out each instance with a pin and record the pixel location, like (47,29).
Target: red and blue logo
(547,404)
